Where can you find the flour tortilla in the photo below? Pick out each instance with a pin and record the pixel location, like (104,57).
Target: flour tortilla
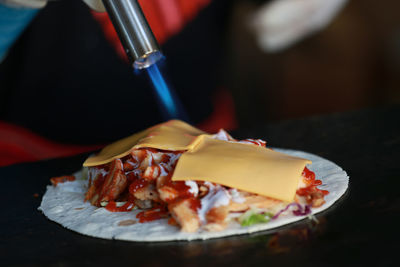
(65,205)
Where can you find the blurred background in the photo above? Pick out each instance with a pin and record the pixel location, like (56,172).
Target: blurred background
(351,64)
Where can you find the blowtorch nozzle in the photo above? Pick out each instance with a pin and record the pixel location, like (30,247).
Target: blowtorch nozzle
(134,32)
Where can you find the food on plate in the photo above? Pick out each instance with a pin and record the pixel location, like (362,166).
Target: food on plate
(175,175)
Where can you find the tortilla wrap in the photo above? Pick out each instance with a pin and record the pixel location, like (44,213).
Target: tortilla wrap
(65,205)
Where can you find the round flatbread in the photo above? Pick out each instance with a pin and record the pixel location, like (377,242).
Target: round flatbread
(65,205)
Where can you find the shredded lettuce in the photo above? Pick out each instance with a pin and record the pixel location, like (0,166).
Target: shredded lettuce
(252,217)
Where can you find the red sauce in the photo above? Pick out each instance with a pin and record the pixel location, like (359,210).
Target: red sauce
(180,189)
(107,187)
(62,179)
(311,184)
(305,191)
(130,164)
(137,184)
(309,175)
(112,206)
(105,167)
(99,181)
(195,204)
(153,214)
(257,142)
(165,158)
(172,221)
(132,176)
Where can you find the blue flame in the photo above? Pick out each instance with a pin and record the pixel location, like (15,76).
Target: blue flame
(170,105)
(162,90)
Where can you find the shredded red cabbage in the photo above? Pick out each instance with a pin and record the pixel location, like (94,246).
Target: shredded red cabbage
(300,211)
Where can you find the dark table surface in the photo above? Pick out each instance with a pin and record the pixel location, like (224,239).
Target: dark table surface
(361,229)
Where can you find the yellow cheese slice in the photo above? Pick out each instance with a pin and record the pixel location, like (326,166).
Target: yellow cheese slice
(173,135)
(242,166)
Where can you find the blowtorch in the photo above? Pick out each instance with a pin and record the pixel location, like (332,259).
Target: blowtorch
(143,51)
(134,32)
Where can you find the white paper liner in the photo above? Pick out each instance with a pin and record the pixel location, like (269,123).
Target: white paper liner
(64,204)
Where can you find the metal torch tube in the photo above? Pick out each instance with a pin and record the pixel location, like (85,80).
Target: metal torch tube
(134,32)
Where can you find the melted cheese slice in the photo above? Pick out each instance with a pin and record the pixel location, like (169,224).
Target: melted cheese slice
(242,166)
(173,135)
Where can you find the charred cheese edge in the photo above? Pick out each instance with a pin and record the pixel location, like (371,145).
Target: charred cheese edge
(246,167)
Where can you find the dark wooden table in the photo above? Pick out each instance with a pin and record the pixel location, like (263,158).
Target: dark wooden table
(362,229)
